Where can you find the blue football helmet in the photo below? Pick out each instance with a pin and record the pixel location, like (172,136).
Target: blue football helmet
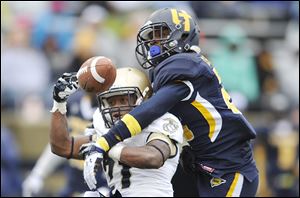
(167,32)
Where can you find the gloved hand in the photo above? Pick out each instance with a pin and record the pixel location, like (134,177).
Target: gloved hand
(32,185)
(188,160)
(65,86)
(93,156)
(94,193)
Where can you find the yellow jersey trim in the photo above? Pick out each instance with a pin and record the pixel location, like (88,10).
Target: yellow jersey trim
(132,124)
(233,185)
(103,144)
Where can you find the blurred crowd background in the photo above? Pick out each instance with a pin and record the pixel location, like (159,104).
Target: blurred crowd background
(253,44)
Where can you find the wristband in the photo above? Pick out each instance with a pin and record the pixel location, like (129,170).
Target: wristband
(72,148)
(61,107)
(162,154)
(115,152)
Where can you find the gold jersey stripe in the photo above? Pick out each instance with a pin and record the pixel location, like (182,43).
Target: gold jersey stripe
(208,117)
(236,186)
(103,144)
(132,124)
(210,114)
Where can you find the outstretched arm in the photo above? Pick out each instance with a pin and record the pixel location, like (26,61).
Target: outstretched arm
(141,116)
(61,142)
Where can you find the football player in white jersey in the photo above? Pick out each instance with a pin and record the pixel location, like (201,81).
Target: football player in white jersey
(140,166)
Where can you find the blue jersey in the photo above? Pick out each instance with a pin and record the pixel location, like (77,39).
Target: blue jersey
(187,86)
(214,127)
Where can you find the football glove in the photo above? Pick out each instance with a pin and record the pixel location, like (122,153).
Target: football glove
(188,160)
(95,193)
(65,86)
(93,156)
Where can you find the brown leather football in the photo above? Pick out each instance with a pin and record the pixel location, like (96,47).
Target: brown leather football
(97,74)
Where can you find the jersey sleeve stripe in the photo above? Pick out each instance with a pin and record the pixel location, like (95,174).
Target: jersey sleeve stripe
(132,124)
(190,85)
(211,116)
(103,143)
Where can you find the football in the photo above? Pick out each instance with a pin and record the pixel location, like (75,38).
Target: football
(97,74)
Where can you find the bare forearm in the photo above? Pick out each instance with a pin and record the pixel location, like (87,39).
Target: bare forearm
(78,141)
(140,157)
(152,155)
(60,141)
(59,136)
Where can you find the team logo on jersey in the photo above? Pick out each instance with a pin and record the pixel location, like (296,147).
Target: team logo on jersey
(216,181)
(170,126)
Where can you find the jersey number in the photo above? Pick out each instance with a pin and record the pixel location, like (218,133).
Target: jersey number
(108,165)
(225,94)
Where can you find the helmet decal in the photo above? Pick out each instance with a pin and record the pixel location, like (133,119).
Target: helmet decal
(185,16)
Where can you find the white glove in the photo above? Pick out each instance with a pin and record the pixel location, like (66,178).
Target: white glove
(92,194)
(32,185)
(91,165)
(100,192)
(93,155)
(65,86)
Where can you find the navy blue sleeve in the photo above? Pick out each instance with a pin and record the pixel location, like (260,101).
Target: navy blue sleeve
(186,66)
(144,114)
(166,97)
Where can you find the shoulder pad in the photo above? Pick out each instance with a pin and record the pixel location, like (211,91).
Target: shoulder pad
(169,125)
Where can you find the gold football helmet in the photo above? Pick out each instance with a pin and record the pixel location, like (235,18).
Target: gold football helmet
(129,82)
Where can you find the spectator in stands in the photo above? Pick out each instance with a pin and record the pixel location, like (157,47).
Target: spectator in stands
(10,164)
(234,58)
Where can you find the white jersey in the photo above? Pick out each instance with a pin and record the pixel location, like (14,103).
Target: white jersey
(135,182)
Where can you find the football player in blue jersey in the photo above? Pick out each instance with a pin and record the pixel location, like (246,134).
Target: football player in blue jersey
(185,83)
